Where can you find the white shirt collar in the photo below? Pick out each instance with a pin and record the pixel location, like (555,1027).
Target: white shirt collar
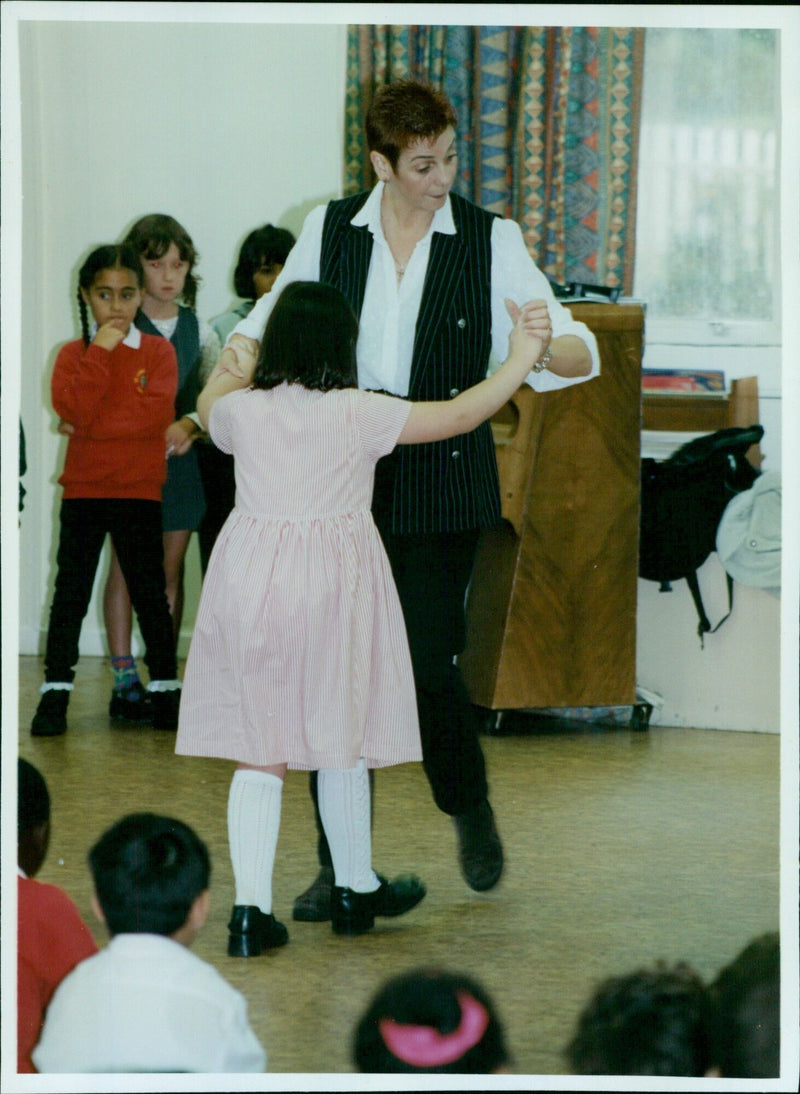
(133,339)
(369,215)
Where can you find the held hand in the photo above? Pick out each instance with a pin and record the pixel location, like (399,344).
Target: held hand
(179,437)
(65,428)
(109,335)
(532,330)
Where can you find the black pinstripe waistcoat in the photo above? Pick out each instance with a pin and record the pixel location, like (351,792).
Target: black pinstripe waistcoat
(446,486)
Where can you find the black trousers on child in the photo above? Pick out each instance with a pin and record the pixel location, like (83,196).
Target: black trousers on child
(135,529)
(219,487)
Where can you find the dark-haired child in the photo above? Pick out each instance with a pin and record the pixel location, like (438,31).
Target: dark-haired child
(116,388)
(745,999)
(261,259)
(299,656)
(51,936)
(168,257)
(651,1021)
(432,1022)
(145,1002)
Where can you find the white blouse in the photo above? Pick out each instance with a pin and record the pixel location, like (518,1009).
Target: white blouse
(389,312)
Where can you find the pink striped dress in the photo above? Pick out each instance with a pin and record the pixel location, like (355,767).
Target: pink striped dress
(299,653)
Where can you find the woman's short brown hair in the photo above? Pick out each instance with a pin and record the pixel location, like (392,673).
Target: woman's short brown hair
(404,112)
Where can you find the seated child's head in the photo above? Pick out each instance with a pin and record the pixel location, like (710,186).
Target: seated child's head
(151,876)
(261,258)
(430,1021)
(310,339)
(745,1012)
(33,818)
(649,1022)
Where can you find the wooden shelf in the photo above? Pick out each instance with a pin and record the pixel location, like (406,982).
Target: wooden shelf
(705,413)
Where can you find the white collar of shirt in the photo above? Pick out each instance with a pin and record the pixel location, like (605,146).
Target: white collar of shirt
(133,339)
(369,215)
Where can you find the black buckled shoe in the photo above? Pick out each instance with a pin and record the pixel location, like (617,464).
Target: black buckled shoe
(354,913)
(253,931)
(50,719)
(130,705)
(479,847)
(164,709)
(314,905)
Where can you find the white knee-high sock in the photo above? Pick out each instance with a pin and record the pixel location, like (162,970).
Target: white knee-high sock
(254,816)
(344,808)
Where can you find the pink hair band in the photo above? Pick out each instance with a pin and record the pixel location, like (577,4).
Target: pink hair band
(424,1046)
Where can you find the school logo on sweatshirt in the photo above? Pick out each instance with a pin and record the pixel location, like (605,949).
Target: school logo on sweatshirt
(140,380)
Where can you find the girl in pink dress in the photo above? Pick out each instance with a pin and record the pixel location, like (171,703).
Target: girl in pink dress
(299,657)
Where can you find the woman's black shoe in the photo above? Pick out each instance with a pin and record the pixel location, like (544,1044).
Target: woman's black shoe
(480,851)
(354,913)
(314,905)
(253,931)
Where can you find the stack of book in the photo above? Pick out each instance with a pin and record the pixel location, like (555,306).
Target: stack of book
(680,381)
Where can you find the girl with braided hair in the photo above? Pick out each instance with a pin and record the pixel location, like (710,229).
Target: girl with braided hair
(115,386)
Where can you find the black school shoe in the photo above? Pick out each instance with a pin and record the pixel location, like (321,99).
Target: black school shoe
(131,705)
(252,931)
(354,913)
(164,709)
(50,719)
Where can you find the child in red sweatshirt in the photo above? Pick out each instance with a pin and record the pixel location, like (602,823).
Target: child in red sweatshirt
(117,389)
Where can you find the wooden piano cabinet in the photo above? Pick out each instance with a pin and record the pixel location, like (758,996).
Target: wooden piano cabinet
(551,610)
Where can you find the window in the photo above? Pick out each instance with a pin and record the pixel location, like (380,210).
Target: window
(708,208)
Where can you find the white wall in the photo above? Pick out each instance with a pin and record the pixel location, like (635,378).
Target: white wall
(224,126)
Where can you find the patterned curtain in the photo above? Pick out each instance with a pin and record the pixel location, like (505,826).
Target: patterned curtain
(548,126)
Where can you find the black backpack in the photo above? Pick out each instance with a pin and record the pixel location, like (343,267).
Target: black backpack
(682,501)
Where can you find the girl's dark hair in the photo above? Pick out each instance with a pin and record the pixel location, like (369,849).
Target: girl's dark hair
(404,112)
(428,997)
(310,339)
(111,256)
(148,871)
(265,246)
(152,237)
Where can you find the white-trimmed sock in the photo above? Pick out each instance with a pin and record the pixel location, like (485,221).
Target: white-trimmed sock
(254,817)
(344,808)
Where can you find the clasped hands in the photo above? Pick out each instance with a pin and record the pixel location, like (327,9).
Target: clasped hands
(534,319)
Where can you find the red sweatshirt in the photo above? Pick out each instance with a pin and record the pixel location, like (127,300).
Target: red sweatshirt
(120,403)
(51,940)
